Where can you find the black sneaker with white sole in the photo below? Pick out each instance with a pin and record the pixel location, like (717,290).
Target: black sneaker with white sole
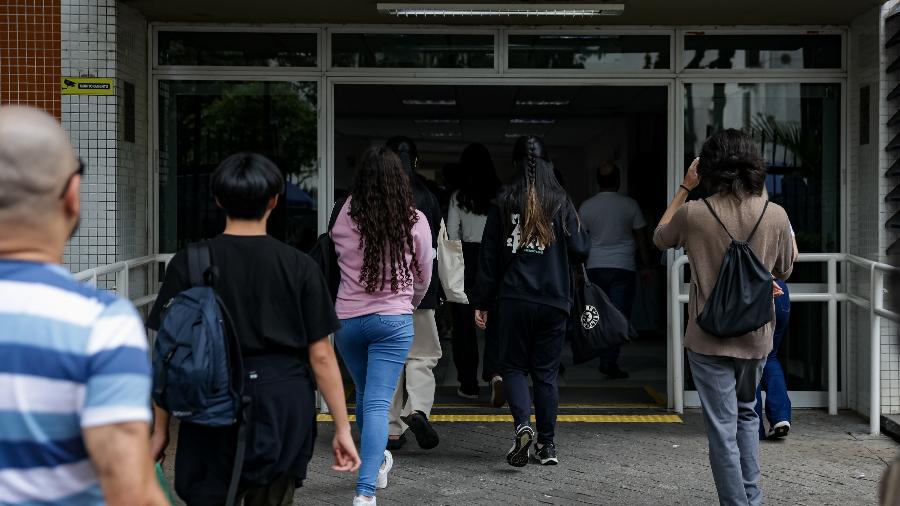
(780,430)
(546,454)
(517,456)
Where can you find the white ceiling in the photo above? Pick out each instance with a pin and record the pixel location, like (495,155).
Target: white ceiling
(637,12)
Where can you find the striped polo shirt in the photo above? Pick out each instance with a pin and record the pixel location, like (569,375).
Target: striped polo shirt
(71,357)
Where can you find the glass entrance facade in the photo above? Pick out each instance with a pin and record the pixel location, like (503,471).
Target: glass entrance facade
(279,93)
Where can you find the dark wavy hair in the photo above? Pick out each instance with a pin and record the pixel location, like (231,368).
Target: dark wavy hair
(730,164)
(383,209)
(479,182)
(535,194)
(244,183)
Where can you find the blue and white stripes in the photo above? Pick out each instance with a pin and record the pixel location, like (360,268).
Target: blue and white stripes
(71,357)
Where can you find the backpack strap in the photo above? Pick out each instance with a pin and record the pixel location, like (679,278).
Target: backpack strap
(335,212)
(716,216)
(758,221)
(199,262)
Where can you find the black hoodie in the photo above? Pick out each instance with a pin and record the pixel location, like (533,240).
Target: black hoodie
(533,274)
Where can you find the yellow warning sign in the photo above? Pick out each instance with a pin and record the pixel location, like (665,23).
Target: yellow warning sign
(86,85)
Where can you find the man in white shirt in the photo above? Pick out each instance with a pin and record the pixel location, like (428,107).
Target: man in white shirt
(617,228)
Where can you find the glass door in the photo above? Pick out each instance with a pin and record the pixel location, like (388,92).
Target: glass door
(201,122)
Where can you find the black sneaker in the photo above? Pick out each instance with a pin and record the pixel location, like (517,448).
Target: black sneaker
(396,444)
(546,454)
(612,371)
(498,392)
(425,434)
(517,456)
(780,430)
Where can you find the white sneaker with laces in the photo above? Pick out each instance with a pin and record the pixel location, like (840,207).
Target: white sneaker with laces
(362,501)
(381,482)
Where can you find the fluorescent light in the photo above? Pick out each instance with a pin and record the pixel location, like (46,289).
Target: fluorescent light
(504,9)
(443,134)
(413,101)
(532,121)
(542,102)
(436,121)
(513,135)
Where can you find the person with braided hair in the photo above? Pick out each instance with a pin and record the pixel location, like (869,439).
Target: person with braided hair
(384,252)
(531,238)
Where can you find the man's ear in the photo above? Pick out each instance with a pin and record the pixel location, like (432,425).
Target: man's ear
(272,203)
(72,197)
(218,204)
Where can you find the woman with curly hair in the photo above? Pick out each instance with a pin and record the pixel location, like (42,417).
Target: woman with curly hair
(531,237)
(385,257)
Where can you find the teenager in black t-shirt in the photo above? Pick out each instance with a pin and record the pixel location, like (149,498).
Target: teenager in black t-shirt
(282,313)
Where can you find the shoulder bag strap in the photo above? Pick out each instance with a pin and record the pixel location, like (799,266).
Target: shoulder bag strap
(758,221)
(335,212)
(716,216)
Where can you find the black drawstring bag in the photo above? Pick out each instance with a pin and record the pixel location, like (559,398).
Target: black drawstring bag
(595,323)
(741,301)
(324,255)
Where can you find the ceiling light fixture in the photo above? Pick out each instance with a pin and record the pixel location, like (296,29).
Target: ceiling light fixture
(436,121)
(414,101)
(513,135)
(532,121)
(501,9)
(443,134)
(542,102)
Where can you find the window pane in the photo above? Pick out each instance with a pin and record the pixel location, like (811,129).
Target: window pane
(598,53)
(420,50)
(772,52)
(203,122)
(240,49)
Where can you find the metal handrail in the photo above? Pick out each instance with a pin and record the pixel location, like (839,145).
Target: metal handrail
(874,303)
(122,271)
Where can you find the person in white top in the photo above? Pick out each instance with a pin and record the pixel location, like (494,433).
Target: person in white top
(465,222)
(617,228)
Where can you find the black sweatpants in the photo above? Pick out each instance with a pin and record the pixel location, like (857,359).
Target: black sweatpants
(465,340)
(531,342)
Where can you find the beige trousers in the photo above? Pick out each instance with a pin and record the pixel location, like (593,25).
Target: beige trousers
(415,390)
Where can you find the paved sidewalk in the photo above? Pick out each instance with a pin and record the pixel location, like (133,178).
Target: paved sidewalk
(826,460)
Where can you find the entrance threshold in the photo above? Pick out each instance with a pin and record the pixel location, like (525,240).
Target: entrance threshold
(561,418)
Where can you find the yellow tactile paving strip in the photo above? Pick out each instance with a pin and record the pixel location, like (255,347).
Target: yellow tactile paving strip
(560,418)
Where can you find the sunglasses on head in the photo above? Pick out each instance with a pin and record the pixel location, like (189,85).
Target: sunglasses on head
(78,172)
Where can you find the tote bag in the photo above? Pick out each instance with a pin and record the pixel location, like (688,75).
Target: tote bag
(595,323)
(451,267)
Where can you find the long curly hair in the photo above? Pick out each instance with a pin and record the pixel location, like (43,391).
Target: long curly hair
(535,193)
(384,211)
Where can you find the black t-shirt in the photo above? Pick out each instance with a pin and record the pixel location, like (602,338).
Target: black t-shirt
(276,295)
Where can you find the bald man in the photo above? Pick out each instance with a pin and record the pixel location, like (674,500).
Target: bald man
(74,371)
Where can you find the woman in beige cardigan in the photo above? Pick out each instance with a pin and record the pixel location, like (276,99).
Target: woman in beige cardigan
(726,371)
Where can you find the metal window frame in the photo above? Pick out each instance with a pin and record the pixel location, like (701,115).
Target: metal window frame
(683,32)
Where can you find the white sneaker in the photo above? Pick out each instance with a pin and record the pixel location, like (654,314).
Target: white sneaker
(362,501)
(381,482)
(780,430)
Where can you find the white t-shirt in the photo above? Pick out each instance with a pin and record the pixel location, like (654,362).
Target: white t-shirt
(611,219)
(463,225)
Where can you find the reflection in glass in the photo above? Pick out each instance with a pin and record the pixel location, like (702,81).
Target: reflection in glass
(797,127)
(589,52)
(762,51)
(202,122)
(240,49)
(408,50)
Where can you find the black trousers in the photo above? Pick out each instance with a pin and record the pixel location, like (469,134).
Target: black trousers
(465,339)
(531,342)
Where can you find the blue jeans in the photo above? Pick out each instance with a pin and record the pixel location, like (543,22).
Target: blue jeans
(778,404)
(620,286)
(374,348)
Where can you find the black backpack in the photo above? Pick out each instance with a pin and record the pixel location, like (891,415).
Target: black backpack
(594,324)
(741,301)
(324,255)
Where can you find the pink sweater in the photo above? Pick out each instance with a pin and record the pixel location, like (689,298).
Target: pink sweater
(352,298)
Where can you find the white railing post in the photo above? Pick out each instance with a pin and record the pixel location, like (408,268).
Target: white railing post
(122,282)
(676,335)
(876,299)
(832,337)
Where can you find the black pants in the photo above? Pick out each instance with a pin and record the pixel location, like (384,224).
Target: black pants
(620,286)
(465,340)
(531,341)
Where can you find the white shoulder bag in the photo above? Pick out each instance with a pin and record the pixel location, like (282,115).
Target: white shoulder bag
(451,267)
